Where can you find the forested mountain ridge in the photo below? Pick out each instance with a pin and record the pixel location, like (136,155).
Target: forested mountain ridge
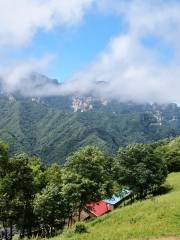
(53,127)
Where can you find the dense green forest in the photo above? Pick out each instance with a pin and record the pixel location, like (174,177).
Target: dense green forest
(37,199)
(50,128)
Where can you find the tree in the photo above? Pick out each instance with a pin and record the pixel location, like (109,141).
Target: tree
(49,206)
(170,152)
(22,190)
(85,178)
(139,168)
(5,189)
(4,160)
(38,172)
(15,189)
(53,174)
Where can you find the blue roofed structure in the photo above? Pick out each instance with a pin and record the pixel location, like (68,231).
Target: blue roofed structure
(119,197)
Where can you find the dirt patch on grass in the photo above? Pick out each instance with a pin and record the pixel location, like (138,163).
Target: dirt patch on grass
(166,238)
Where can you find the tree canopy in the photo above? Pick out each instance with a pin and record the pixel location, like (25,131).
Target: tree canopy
(85,177)
(138,167)
(43,199)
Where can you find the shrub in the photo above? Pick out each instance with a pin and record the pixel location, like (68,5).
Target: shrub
(16,237)
(80,228)
(163,189)
(68,233)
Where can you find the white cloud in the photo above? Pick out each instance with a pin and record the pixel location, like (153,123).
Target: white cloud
(15,75)
(20,19)
(134,70)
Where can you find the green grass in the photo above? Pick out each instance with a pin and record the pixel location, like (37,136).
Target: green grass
(157,217)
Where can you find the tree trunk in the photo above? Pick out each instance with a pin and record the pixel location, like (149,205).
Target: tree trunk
(79,214)
(141,194)
(11,230)
(29,231)
(69,221)
(5,231)
(131,198)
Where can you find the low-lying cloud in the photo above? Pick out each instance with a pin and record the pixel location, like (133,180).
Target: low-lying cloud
(141,64)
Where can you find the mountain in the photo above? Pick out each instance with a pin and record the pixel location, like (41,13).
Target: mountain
(54,126)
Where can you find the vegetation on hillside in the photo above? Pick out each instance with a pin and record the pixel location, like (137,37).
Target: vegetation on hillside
(52,131)
(37,199)
(140,168)
(154,218)
(170,151)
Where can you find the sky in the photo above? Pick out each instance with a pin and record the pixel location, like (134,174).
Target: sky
(131,45)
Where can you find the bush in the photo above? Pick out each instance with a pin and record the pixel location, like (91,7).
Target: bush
(68,233)
(163,189)
(16,237)
(80,228)
(173,164)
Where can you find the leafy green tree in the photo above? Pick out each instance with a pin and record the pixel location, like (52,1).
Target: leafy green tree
(17,189)
(4,161)
(139,167)
(23,190)
(85,178)
(39,173)
(21,177)
(170,152)
(74,187)
(49,204)
(50,208)
(8,205)
(5,190)
(53,174)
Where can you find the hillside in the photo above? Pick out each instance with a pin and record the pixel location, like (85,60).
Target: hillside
(54,127)
(153,218)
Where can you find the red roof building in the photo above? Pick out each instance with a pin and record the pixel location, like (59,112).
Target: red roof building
(99,208)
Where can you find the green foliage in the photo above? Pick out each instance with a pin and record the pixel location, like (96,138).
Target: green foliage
(170,152)
(3,158)
(49,204)
(53,174)
(17,189)
(85,178)
(52,131)
(154,218)
(44,199)
(23,190)
(80,228)
(50,208)
(38,171)
(139,167)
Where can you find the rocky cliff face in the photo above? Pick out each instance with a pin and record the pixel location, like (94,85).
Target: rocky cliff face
(82,104)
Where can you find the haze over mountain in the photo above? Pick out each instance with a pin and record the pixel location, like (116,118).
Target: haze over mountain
(52,127)
(136,53)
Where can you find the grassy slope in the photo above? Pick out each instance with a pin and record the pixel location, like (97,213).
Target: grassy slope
(142,220)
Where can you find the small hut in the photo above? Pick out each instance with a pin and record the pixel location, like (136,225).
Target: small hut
(115,200)
(97,209)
